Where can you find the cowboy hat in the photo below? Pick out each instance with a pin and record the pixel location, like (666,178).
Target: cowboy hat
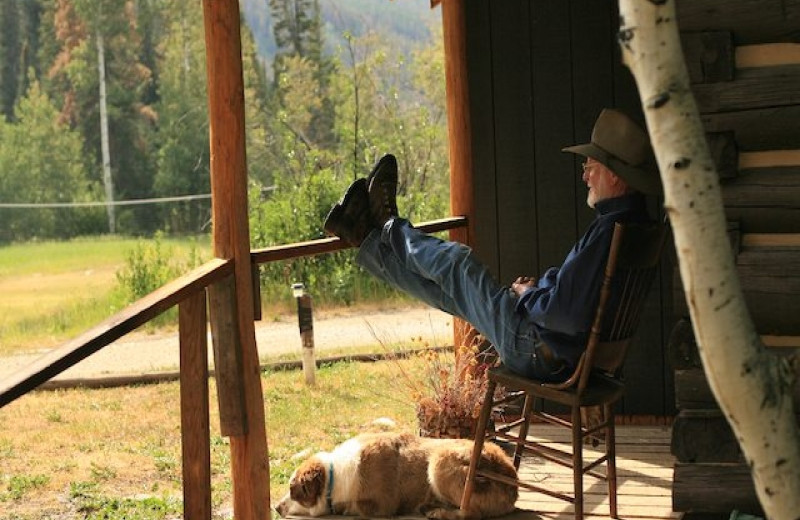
(622,146)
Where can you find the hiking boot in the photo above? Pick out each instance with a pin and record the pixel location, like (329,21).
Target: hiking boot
(382,190)
(350,218)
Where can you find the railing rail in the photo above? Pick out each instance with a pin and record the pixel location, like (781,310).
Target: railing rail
(329,245)
(125,321)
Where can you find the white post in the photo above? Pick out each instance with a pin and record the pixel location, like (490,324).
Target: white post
(306,322)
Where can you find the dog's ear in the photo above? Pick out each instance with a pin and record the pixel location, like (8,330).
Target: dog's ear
(308,483)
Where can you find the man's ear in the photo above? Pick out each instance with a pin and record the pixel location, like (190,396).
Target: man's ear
(618,182)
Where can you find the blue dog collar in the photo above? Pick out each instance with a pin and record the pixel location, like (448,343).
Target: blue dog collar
(329,494)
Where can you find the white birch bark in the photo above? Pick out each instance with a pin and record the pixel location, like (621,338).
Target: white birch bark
(104,148)
(751,385)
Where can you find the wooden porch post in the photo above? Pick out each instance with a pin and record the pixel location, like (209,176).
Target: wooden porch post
(249,458)
(459,131)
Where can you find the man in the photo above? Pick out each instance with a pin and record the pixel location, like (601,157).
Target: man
(538,327)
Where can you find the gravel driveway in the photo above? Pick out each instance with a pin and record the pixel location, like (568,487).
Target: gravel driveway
(140,352)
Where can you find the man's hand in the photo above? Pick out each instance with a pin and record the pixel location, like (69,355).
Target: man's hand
(522,284)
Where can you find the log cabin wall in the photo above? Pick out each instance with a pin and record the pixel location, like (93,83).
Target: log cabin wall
(744,63)
(540,71)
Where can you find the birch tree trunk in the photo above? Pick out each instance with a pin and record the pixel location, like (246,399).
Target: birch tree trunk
(751,385)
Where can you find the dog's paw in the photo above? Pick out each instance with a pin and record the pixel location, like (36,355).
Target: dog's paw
(432,512)
(444,513)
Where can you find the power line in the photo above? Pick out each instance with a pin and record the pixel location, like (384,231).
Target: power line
(132,202)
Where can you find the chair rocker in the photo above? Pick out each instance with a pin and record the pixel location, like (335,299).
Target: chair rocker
(596,382)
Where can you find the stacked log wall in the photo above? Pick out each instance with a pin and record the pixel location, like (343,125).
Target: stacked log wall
(744,64)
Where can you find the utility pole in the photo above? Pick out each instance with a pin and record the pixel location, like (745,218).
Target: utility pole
(107,181)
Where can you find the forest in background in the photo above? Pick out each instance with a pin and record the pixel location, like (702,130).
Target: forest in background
(106,100)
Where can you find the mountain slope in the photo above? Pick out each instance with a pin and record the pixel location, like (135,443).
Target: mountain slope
(403,21)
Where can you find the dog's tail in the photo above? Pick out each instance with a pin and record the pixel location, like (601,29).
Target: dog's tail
(381,424)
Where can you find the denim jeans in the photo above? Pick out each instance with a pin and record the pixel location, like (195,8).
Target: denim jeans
(447,276)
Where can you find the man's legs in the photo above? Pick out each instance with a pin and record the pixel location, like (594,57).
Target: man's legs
(446,275)
(379,260)
(442,274)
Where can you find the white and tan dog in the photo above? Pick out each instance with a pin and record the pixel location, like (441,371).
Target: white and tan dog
(388,474)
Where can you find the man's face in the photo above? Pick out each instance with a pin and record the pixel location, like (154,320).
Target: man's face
(601,181)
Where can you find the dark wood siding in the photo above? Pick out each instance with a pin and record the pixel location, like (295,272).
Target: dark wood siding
(478,22)
(513,137)
(540,72)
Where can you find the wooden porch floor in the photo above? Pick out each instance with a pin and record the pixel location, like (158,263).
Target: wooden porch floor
(644,478)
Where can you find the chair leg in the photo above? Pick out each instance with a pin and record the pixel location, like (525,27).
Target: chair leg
(611,463)
(480,434)
(577,460)
(523,430)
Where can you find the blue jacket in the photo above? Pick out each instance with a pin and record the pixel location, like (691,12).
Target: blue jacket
(562,304)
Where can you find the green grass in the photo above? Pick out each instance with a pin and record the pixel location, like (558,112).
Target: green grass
(115,453)
(19,485)
(53,291)
(52,257)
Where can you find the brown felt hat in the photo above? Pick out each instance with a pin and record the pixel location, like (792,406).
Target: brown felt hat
(622,146)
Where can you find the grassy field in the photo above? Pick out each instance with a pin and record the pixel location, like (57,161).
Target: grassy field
(53,291)
(115,453)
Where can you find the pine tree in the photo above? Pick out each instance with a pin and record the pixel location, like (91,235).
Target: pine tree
(183,155)
(293,26)
(151,28)
(297,28)
(30,14)
(9,57)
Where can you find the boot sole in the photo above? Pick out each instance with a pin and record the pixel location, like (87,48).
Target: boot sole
(333,221)
(338,223)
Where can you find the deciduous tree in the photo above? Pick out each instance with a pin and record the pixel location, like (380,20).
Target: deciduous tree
(41,162)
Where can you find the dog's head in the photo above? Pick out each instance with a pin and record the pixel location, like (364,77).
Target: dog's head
(307,491)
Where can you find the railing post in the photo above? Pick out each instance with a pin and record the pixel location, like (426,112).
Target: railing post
(195,435)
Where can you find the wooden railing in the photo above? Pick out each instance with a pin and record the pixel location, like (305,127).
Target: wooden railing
(329,245)
(210,282)
(125,321)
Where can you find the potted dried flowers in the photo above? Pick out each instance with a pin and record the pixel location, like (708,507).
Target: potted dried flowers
(453,385)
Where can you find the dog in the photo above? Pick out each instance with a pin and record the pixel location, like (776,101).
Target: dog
(388,474)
